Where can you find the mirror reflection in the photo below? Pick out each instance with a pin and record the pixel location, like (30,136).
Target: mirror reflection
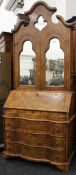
(54,64)
(27,64)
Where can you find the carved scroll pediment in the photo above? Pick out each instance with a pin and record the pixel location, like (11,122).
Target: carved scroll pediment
(21,19)
(40,10)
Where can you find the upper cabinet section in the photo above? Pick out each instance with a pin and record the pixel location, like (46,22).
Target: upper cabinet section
(42,50)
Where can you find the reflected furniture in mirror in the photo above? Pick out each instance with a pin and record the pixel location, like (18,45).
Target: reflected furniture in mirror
(39,113)
(54,64)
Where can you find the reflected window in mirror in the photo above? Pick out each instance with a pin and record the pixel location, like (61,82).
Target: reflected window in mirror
(27,64)
(54,75)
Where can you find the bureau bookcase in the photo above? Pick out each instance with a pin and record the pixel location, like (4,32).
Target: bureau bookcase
(39,112)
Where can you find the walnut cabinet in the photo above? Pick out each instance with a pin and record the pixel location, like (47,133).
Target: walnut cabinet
(39,113)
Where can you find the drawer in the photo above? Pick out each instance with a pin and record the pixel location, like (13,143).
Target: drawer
(26,114)
(33,126)
(27,138)
(26,125)
(40,153)
(34,152)
(26,151)
(42,140)
(34,139)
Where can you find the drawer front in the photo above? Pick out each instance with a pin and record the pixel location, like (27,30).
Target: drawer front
(42,140)
(31,126)
(26,125)
(26,151)
(27,114)
(26,138)
(35,152)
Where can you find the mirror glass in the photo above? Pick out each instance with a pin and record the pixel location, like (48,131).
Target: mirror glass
(54,75)
(27,64)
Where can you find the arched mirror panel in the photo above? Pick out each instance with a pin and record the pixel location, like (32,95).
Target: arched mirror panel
(27,64)
(54,73)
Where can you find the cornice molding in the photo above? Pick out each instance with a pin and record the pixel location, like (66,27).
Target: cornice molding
(21,19)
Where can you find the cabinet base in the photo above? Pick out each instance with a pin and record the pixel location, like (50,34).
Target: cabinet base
(65,166)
